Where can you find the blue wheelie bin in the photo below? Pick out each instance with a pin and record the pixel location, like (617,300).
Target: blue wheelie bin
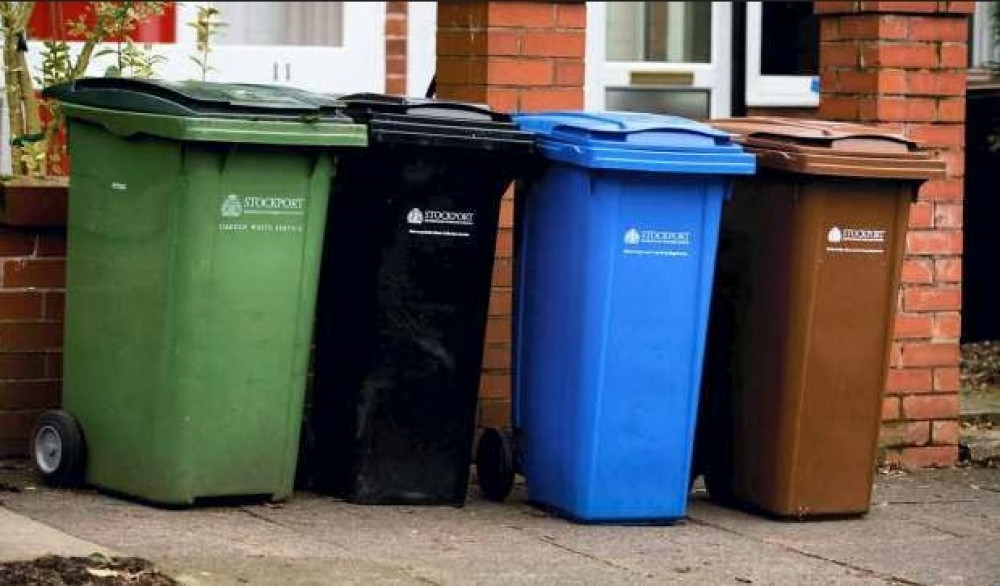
(615,246)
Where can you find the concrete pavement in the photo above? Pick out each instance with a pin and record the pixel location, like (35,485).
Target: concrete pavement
(981,425)
(936,527)
(23,538)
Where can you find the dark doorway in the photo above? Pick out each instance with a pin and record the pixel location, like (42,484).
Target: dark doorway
(981,262)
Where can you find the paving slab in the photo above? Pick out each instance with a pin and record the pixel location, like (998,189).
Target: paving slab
(924,528)
(981,406)
(935,527)
(983,444)
(205,570)
(22,538)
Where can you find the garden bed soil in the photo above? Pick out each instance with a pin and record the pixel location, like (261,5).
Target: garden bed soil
(95,570)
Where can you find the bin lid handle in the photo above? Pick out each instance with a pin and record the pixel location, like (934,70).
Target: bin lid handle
(607,124)
(720,138)
(407,104)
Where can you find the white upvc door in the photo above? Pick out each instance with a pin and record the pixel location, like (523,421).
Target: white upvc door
(665,57)
(421,51)
(335,47)
(770,89)
(983,43)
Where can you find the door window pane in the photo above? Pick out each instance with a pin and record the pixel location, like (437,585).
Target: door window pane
(318,24)
(690,103)
(669,32)
(789,39)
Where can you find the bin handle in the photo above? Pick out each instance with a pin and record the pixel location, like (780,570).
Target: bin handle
(708,131)
(594,117)
(717,137)
(449,105)
(560,148)
(123,130)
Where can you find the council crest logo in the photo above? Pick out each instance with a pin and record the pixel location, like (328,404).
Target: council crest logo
(632,237)
(415,216)
(231,207)
(834,235)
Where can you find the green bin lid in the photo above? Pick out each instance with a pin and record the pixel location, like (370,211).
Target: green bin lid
(205,111)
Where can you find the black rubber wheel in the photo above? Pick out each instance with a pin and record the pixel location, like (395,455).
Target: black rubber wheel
(495,464)
(58,449)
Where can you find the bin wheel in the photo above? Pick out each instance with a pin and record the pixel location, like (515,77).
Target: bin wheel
(58,449)
(495,464)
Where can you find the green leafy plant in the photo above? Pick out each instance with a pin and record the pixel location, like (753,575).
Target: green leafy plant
(134,61)
(116,20)
(119,20)
(24,118)
(32,132)
(207,25)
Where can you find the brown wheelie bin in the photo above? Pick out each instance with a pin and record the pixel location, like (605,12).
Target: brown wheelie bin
(807,282)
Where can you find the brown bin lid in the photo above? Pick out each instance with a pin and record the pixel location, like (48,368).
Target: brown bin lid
(820,147)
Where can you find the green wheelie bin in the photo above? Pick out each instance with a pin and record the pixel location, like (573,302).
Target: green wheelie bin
(195,232)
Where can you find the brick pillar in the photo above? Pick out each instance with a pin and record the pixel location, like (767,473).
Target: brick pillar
(31,311)
(514,56)
(901,65)
(395,48)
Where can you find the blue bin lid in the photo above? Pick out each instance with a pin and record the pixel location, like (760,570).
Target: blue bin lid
(636,141)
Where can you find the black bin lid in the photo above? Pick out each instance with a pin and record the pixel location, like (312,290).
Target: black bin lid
(439,123)
(197,99)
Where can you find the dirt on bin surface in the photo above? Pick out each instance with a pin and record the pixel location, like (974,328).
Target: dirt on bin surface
(96,570)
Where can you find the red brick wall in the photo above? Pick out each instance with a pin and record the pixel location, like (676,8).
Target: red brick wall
(395,48)
(32,269)
(514,56)
(902,65)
